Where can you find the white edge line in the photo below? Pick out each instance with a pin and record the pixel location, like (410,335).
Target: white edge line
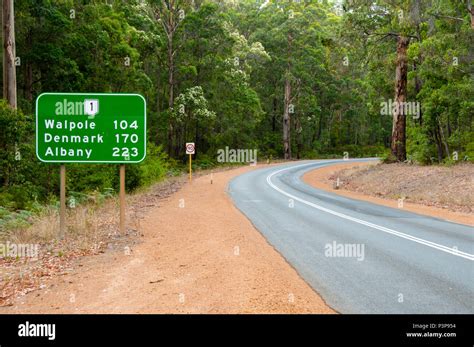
(371,225)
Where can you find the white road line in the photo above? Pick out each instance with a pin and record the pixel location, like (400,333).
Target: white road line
(375,226)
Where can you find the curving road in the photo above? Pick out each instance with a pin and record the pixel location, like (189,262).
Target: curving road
(361,257)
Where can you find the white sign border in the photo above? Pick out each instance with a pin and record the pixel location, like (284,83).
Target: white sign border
(194,148)
(91,161)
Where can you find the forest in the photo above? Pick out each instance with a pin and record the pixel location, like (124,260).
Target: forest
(294,79)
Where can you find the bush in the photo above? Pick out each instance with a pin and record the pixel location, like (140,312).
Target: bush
(150,170)
(155,166)
(18,197)
(419,148)
(204,162)
(388,158)
(89,177)
(359,151)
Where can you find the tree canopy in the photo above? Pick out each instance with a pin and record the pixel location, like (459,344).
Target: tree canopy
(293,79)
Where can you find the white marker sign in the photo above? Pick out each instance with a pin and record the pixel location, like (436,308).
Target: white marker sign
(91,107)
(190,147)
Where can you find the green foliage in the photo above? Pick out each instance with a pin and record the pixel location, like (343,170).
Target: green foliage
(90,177)
(151,170)
(204,162)
(154,167)
(388,158)
(13,220)
(192,106)
(419,148)
(230,64)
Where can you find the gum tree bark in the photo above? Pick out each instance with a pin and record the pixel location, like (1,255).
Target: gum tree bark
(287,122)
(9,70)
(398,145)
(168,14)
(470,8)
(286,109)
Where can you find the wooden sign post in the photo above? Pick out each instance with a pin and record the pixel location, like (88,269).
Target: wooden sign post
(62,200)
(90,128)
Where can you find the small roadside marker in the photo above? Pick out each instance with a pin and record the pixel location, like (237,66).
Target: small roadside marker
(190,150)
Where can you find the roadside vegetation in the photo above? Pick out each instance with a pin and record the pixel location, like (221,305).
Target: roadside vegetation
(450,187)
(291,79)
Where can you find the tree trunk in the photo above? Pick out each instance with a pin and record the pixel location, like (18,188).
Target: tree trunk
(418,86)
(299,140)
(470,8)
(398,145)
(158,105)
(167,15)
(9,70)
(443,140)
(320,126)
(274,115)
(287,122)
(439,145)
(170,88)
(287,101)
(197,138)
(418,81)
(28,91)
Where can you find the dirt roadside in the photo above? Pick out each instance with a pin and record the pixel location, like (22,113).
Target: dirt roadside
(198,254)
(323,178)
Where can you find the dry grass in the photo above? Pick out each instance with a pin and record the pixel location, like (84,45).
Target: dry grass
(45,227)
(92,228)
(441,186)
(89,228)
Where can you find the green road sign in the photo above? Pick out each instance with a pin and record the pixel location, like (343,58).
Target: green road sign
(90,128)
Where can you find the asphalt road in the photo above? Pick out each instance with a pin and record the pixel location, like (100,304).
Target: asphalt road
(360,257)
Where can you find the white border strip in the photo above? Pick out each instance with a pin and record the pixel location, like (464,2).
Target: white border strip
(371,225)
(92,161)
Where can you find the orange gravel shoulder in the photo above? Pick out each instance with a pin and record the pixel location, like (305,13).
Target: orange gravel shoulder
(439,192)
(198,254)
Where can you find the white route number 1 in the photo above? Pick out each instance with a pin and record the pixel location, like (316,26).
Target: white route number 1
(91,107)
